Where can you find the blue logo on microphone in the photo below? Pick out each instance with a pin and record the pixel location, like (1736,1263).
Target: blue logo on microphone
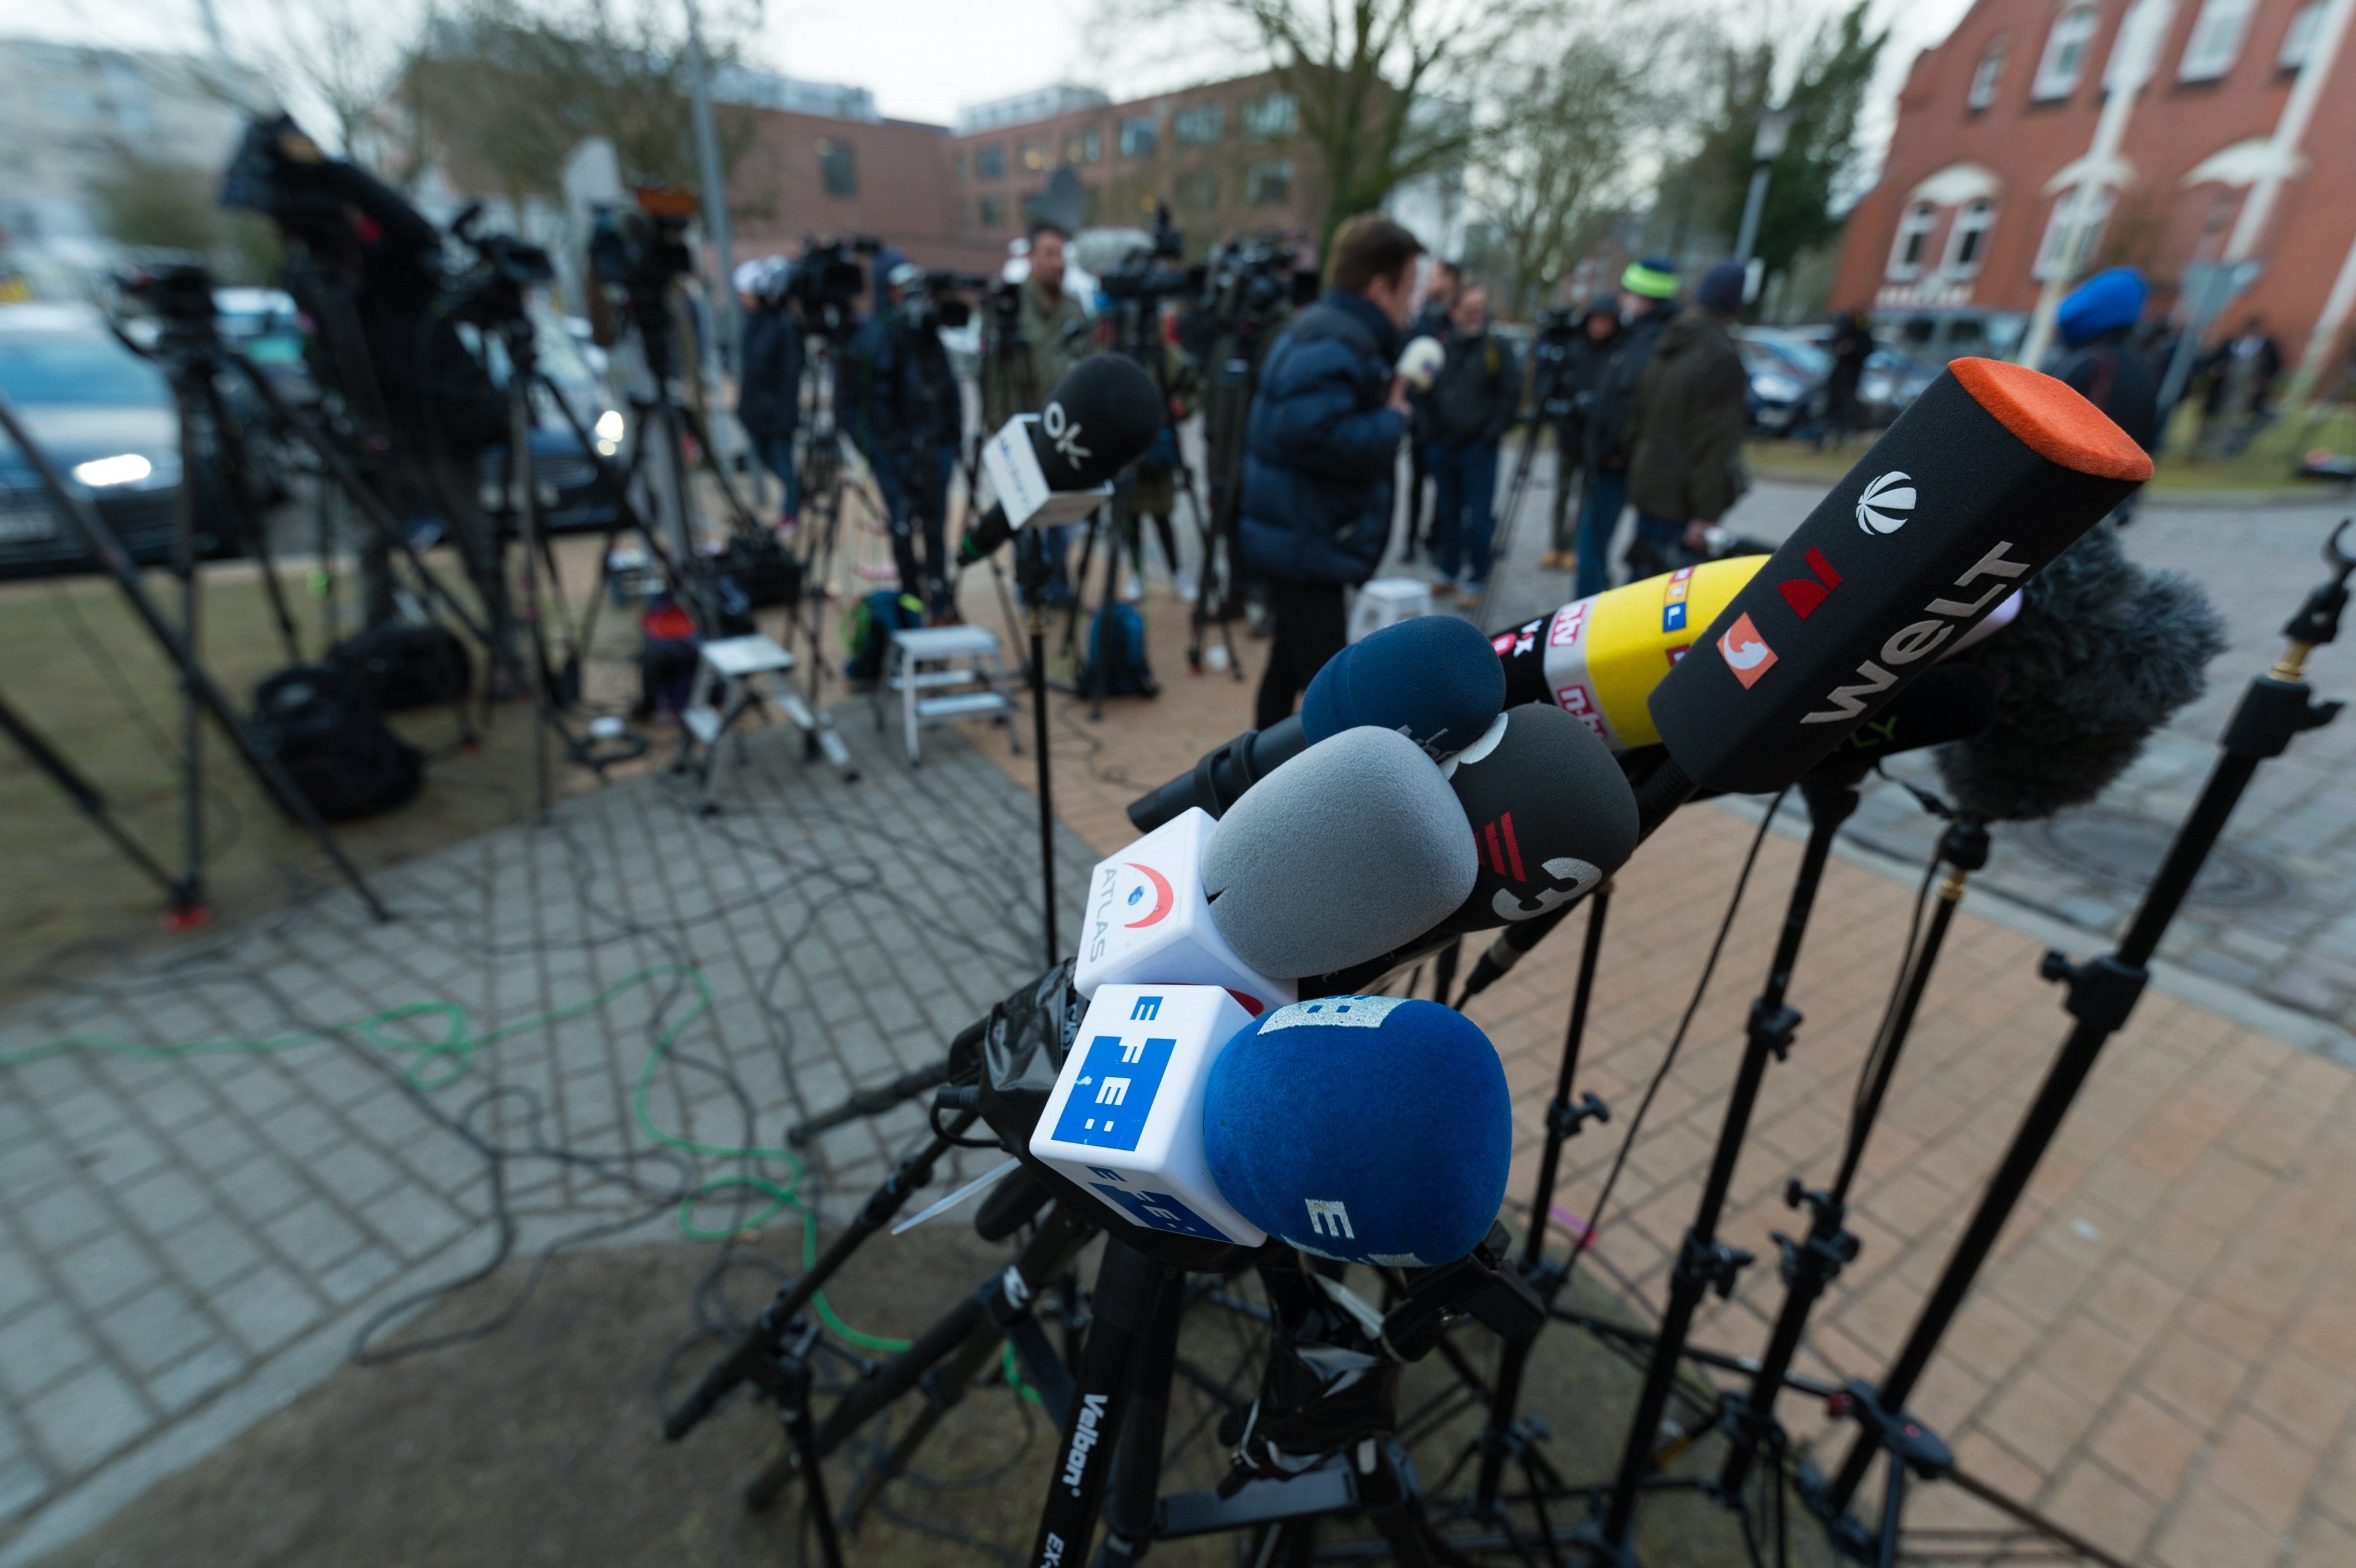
(1114,1093)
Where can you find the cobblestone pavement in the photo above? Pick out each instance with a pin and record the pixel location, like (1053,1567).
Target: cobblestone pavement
(189,1240)
(2278,918)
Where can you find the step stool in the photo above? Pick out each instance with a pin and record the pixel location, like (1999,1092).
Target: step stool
(1386,601)
(979,675)
(755,669)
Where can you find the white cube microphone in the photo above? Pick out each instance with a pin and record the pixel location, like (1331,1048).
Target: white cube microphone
(1147,919)
(1125,1120)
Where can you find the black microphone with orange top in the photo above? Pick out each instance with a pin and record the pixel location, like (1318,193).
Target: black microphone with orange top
(1994,470)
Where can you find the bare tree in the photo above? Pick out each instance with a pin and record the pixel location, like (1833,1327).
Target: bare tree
(1386,88)
(346,54)
(1556,170)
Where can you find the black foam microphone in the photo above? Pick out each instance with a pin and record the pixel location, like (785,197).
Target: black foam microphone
(1101,418)
(1993,472)
(2099,656)
(1551,816)
(1221,775)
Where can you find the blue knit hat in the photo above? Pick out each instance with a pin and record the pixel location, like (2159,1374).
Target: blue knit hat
(1721,288)
(2109,300)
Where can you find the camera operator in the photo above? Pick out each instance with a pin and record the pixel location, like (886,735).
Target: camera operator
(1322,449)
(899,403)
(1571,356)
(769,378)
(1433,321)
(1035,336)
(1155,495)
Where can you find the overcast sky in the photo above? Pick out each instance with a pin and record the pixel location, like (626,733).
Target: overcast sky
(923,59)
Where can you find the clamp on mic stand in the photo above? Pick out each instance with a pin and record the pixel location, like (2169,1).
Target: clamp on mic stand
(2276,707)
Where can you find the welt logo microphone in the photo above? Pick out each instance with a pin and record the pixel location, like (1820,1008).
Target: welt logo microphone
(1988,476)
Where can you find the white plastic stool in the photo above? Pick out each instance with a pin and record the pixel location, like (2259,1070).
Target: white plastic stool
(753,670)
(979,682)
(1386,601)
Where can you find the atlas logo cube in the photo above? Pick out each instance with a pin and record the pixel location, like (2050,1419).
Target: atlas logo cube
(1147,919)
(1125,1120)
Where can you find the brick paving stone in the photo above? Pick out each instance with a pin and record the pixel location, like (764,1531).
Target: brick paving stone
(85,1417)
(266,1307)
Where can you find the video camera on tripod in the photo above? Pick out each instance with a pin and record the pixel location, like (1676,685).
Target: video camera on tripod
(490,293)
(1143,275)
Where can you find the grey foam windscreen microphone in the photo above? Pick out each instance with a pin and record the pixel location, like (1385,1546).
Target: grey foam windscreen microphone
(1345,852)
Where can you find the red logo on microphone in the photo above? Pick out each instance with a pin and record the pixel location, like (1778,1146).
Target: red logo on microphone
(1745,651)
(1804,595)
(1498,850)
(1568,622)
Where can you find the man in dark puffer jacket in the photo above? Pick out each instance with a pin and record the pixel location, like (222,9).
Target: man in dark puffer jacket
(1321,451)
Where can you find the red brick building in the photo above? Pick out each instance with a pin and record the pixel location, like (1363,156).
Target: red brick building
(1994,126)
(833,177)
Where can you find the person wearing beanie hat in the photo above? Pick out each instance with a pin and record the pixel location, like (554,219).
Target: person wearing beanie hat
(769,376)
(1685,466)
(1568,374)
(2099,358)
(1648,302)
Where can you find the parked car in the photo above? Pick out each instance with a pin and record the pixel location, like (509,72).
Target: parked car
(105,418)
(570,495)
(1787,374)
(1935,337)
(1889,385)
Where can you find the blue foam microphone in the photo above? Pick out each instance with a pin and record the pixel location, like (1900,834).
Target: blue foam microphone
(1433,678)
(1370,1129)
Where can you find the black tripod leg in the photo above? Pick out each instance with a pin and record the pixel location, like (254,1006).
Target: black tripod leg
(84,794)
(1130,1512)
(1129,1287)
(821,1510)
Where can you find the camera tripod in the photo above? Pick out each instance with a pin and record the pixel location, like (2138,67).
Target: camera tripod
(203,691)
(1508,513)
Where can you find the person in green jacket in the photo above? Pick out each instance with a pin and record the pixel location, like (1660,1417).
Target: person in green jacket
(1685,469)
(1026,350)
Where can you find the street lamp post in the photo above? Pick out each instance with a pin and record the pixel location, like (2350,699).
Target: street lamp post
(1774,134)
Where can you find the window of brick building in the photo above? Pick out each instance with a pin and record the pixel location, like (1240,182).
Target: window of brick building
(1967,240)
(994,211)
(2096,213)
(1199,191)
(1084,146)
(990,162)
(2065,52)
(2298,41)
(2216,39)
(1036,156)
(1137,136)
(1273,117)
(838,166)
(1986,76)
(1270,184)
(1913,242)
(1199,126)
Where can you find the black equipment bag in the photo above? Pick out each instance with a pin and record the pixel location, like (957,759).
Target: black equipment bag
(403,666)
(764,569)
(332,739)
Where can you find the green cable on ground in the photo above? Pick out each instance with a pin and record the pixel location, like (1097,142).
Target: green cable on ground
(457,1048)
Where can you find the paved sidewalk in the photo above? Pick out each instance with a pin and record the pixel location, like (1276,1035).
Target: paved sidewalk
(186,1242)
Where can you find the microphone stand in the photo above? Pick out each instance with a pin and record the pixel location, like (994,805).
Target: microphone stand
(2101,994)
(1034,574)
(1704,1262)
(1809,1265)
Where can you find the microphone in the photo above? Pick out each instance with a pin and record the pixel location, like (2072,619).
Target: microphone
(2100,655)
(1552,816)
(1149,918)
(1989,475)
(1433,678)
(1345,852)
(1221,775)
(1599,658)
(1125,1121)
(1367,1129)
(1101,418)
(1420,362)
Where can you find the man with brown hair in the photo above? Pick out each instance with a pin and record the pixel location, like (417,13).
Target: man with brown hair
(1320,450)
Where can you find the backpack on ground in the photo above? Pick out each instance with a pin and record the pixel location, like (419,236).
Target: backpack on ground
(867,630)
(1117,641)
(331,739)
(403,666)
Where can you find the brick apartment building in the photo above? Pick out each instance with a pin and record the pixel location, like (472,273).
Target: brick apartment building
(1992,122)
(1228,156)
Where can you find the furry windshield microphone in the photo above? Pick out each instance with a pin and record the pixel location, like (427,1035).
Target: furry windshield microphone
(2100,654)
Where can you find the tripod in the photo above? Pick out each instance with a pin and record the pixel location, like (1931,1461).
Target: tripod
(84,795)
(202,690)
(2101,994)
(1516,488)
